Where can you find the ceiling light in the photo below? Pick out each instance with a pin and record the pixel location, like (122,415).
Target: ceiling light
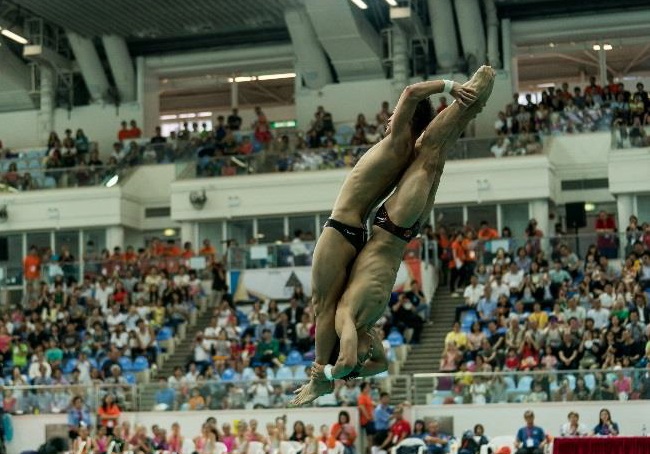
(112,181)
(169,232)
(551,44)
(596,47)
(360,3)
(11,35)
(168,117)
(392,2)
(187,115)
(241,79)
(546,85)
(277,76)
(589,207)
(607,46)
(204,114)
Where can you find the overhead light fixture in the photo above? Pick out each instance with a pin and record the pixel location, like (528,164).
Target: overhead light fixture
(596,47)
(169,232)
(277,76)
(204,114)
(241,79)
(11,35)
(168,117)
(187,115)
(546,85)
(392,2)
(551,45)
(607,46)
(360,3)
(112,181)
(589,207)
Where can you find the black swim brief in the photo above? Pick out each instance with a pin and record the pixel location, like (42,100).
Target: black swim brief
(406,234)
(356,236)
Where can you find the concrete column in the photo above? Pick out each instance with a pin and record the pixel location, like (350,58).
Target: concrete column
(46,112)
(114,237)
(148,92)
(602,65)
(624,209)
(539,211)
(189,232)
(234,94)
(509,54)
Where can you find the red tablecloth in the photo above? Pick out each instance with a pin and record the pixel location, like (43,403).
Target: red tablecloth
(602,445)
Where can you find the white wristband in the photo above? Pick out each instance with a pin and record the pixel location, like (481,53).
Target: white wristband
(327,370)
(449,84)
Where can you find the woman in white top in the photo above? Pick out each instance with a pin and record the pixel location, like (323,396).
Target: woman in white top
(83,444)
(478,390)
(573,428)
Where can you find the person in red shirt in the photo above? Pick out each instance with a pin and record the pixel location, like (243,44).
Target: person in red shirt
(134,132)
(130,256)
(366,412)
(172,249)
(32,269)
(593,88)
(606,231)
(207,250)
(400,428)
(123,134)
(188,253)
(487,233)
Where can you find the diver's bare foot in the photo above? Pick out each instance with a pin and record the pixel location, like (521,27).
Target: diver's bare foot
(317,372)
(311,391)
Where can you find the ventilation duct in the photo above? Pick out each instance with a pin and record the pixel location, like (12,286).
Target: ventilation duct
(353,45)
(472,32)
(441,14)
(311,62)
(492,22)
(121,66)
(15,77)
(90,65)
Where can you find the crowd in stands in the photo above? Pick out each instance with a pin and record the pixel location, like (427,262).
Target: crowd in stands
(524,311)
(562,111)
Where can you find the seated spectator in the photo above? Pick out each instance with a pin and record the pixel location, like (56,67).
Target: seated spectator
(344,431)
(437,442)
(530,439)
(471,444)
(406,319)
(78,416)
(605,426)
(472,294)
(268,350)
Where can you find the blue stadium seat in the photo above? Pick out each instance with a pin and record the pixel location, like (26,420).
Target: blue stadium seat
(34,164)
(93,363)
(22,165)
(69,366)
(164,334)
(395,338)
(270,373)
(125,364)
(140,364)
(294,358)
(49,183)
(284,373)
(590,381)
(130,378)
(299,374)
(35,154)
(228,375)
(524,384)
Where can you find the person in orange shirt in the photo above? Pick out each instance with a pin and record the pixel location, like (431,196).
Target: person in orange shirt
(366,412)
(444,254)
(123,134)
(470,244)
(134,132)
(344,432)
(130,256)
(32,269)
(208,250)
(188,253)
(172,249)
(487,233)
(157,248)
(457,264)
(117,254)
(109,413)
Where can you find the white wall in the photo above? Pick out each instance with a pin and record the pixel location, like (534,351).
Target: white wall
(100,123)
(29,430)
(498,419)
(629,171)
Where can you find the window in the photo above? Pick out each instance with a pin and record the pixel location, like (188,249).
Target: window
(13,267)
(270,230)
(212,231)
(69,240)
(240,230)
(449,217)
(304,223)
(515,216)
(479,213)
(643,208)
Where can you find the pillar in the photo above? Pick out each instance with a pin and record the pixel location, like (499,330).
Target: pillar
(189,232)
(148,92)
(400,61)
(624,209)
(46,112)
(539,210)
(114,237)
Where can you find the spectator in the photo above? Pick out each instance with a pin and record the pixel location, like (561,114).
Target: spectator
(406,319)
(158,137)
(605,426)
(437,442)
(472,441)
(268,349)
(573,428)
(383,415)
(234,120)
(78,416)
(606,235)
(383,115)
(530,439)
(108,413)
(122,135)
(343,431)
(472,294)
(366,412)
(134,131)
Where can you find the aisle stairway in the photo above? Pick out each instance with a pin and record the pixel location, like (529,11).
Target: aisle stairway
(425,358)
(179,356)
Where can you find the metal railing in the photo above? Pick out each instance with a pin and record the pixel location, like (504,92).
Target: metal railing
(276,390)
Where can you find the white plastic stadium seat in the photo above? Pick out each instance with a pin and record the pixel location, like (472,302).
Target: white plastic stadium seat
(497,442)
(290,447)
(337,449)
(220,448)
(410,442)
(255,447)
(322,448)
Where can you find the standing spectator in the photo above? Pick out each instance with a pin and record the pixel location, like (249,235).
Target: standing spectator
(530,439)
(134,131)
(366,412)
(108,413)
(158,137)
(82,144)
(457,264)
(383,415)
(383,115)
(605,426)
(343,431)
(606,231)
(124,133)
(234,120)
(299,251)
(78,416)
(32,270)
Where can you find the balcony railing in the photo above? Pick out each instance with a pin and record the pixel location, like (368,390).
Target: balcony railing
(276,390)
